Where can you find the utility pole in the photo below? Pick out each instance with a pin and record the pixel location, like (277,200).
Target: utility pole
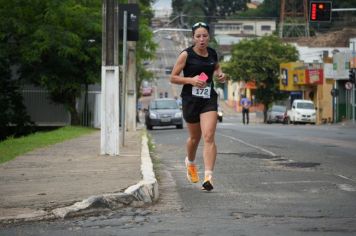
(123,83)
(131,87)
(131,84)
(129,29)
(110,79)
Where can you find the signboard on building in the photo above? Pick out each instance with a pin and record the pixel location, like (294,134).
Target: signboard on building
(341,65)
(328,71)
(289,80)
(314,76)
(353,52)
(299,77)
(353,62)
(284,76)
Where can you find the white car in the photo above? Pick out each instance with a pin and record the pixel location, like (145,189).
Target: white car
(303,111)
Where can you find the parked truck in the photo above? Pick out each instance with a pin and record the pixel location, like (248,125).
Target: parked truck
(302,111)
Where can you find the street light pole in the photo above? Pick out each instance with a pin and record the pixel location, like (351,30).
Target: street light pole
(124,87)
(131,99)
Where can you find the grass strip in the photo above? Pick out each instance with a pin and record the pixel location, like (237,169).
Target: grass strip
(13,147)
(152,149)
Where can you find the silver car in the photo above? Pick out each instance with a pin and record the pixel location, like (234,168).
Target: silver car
(276,114)
(163,112)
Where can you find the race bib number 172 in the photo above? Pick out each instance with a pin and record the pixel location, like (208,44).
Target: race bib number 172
(201,92)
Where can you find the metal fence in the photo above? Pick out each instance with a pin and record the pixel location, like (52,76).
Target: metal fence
(89,109)
(42,110)
(45,112)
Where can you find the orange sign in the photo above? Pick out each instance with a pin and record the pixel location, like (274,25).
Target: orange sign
(353,62)
(250,85)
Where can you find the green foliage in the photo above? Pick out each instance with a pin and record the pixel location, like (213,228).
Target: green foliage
(258,60)
(145,47)
(13,147)
(14,119)
(57,44)
(50,42)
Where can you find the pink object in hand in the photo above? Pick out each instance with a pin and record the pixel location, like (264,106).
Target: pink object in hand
(203,77)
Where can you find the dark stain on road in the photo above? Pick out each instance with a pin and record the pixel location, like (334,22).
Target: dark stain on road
(249,155)
(300,164)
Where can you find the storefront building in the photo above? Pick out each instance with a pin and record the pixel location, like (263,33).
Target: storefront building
(307,81)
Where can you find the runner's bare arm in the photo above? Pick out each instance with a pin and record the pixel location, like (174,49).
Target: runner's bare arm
(219,74)
(176,77)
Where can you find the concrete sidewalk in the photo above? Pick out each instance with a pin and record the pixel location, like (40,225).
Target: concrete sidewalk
(72,178)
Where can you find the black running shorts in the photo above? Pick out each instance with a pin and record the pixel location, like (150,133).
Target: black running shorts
(194,106)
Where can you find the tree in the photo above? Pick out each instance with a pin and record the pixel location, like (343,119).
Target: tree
(145,47)
(258,60)
(14,119)
(57,44)
(51,45)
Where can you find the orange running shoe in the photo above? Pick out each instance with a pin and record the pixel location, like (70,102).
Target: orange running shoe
(207,184)
(192,171)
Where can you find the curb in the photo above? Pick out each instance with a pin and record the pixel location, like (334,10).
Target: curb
(144,192)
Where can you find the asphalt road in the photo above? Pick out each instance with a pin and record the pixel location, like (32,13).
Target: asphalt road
(166,56)
(269,180)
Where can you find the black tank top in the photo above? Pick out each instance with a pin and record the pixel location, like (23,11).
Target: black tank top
(196,64)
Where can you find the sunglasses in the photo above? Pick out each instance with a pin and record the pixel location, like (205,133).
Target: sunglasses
(200,24)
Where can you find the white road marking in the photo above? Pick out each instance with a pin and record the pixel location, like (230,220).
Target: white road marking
(344,187)
(248,144)
(347,187)
(344,177)
(296,182)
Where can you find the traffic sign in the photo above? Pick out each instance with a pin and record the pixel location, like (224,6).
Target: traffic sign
(348,85)
(133,14)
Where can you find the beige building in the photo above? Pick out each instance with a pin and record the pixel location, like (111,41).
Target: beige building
(245,27)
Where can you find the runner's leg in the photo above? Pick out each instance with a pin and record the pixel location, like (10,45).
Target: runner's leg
(208,121)
(193,140)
